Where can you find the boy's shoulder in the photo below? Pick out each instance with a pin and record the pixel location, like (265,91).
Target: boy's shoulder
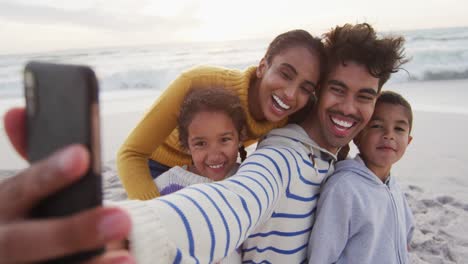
(348,177)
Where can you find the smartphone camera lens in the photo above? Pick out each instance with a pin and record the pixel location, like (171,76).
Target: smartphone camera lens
(30,86)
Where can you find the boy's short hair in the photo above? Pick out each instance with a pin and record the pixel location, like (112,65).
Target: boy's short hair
(390,97)
(359,43)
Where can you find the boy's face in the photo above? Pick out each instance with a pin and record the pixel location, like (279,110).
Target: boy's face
(345,105)
(384,140)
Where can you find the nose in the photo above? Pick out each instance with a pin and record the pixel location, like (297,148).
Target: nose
(388,134)
(290,92)
(348,106)
(215,152)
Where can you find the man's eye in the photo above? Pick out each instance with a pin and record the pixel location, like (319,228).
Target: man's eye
(337,89)
(366,98)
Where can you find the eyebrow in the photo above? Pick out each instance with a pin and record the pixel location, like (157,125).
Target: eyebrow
(202,138)
(369,91)
(227,133)
(402,121)
(338,83)
(289,66)
(366,90)
(196,139)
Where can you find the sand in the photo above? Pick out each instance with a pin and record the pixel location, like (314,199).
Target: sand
(433,173)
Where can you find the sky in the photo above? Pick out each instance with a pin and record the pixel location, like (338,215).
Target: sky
(44,25)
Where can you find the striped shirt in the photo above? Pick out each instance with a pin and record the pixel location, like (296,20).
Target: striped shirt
(267,207)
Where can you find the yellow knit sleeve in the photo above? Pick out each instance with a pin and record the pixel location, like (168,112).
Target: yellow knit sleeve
(156,125)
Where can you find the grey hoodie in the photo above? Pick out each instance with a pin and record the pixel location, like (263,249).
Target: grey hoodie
(295,136)
(360,219)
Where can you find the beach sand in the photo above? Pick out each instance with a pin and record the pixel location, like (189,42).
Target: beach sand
(433,173)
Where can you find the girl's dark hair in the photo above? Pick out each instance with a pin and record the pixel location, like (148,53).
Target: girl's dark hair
(359,43)
(213,99)
(298,38)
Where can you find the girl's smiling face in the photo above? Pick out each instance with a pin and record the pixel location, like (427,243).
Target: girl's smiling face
(213,142)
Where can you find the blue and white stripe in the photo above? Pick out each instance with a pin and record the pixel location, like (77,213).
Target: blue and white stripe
(267,208)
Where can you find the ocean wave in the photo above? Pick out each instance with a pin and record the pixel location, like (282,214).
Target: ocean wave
(429,75)
(443,39)
(444,75)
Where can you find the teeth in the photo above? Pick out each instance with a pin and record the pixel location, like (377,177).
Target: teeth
(342,123)
(217,166)
(281,103)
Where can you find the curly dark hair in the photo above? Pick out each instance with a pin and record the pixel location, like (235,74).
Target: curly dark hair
(298,38)
(212,99)
(359,43)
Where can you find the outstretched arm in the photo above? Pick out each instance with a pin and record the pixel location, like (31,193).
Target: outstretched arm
(204,223)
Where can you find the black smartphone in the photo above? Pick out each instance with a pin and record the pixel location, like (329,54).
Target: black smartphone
(62,108)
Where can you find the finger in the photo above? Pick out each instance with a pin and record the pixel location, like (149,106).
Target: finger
(116,245)
(31,241)
(15,126)
(114,257)
(40,180)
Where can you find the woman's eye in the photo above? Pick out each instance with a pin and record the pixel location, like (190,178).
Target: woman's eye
(285,76)
(307,90)
(199,144)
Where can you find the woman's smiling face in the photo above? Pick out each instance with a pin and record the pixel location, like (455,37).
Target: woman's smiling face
(285,83)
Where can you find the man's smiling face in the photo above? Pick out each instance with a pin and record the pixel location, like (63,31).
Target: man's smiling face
(345,105)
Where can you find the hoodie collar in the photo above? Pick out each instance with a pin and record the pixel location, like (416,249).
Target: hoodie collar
(298,134)
(358,166)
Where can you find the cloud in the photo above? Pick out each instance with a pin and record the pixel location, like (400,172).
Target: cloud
(90,17)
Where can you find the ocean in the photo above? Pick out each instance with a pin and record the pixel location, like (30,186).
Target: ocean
(436,55)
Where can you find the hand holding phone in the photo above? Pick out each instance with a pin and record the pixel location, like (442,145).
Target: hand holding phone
(62,109)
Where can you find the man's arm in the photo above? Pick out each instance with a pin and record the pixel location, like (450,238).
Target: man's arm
(205,222)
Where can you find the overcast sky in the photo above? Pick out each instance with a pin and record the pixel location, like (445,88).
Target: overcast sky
(30,26)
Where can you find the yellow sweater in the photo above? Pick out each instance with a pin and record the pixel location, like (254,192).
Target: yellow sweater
(156,137)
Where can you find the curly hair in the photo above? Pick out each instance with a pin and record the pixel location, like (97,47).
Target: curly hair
(359,43)
(298,38)
(212,99)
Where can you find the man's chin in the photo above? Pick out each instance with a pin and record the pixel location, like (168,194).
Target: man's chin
(336,143)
